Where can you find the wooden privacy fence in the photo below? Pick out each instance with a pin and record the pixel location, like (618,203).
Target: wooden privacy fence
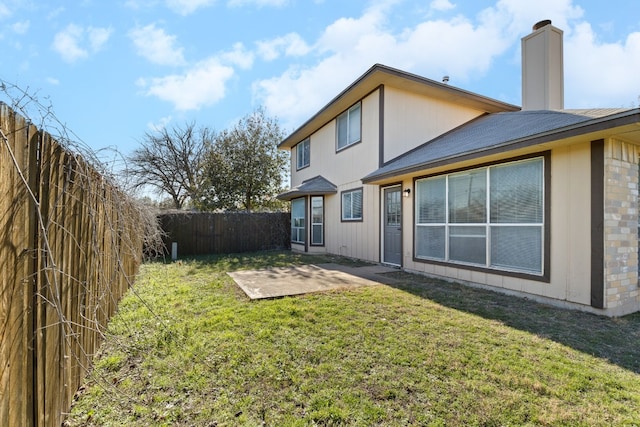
(70,244)
(219,233)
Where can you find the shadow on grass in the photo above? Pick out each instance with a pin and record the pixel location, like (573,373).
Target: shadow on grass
(616,340)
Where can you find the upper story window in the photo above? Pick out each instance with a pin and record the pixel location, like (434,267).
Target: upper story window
(348,127)
(303,154)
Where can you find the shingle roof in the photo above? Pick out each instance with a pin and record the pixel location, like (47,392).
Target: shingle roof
(491,131)
(315,186)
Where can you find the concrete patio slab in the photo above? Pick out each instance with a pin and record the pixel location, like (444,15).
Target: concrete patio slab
(303,279)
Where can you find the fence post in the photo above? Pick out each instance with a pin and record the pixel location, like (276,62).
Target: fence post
(174,251)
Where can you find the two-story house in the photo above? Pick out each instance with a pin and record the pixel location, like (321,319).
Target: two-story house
(537,201)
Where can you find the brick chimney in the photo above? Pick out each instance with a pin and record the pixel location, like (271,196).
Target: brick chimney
(542,68)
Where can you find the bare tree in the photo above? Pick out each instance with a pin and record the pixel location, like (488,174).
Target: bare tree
(243,168)
(169,161)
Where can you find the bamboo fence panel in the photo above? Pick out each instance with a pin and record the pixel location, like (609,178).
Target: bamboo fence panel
(70,246)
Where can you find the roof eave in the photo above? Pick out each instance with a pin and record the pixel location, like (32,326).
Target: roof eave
(582,128)
(379,75)
(288,196)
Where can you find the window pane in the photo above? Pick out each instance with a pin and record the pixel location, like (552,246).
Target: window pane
(516,192)
(354,124)
(343,124)
(316,234)
(393,208)
(468,197)
(298,220)
(430,241)
(356,200)
(346,205)
(302,154)
(299,156)
(518,248)
(297,208)
(316,210)
(352,205)
(307,152)
(468,244)
(431,200)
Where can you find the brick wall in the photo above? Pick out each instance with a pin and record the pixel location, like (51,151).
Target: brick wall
(621,227)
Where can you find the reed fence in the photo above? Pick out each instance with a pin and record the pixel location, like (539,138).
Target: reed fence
(70,245)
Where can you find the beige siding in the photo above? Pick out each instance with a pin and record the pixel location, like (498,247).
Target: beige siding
(570,242)
(346,169)
(571,223)
(411,120)
(350,164)
(354,239)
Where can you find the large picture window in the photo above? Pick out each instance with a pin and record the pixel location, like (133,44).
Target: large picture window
(348,124)
(491,217)
(303,154)
(298,208)
(352,205)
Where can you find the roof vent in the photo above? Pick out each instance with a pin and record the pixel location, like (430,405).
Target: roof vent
(541,24)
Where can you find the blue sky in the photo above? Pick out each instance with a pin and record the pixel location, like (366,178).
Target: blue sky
(113,70)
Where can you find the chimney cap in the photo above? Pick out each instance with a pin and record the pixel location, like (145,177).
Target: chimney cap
(541,24)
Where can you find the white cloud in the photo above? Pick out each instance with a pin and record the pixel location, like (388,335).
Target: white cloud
(160,124)
(239,56)
(290,44)
(259,3)
(155,45)
(21,27)
(67,43)
(515,18)
(466,48)
(75,42)
(431,48)
(53,81)
(98,37)
(601,74)
(202,85)
(441,5)
(4,11)
(187,7)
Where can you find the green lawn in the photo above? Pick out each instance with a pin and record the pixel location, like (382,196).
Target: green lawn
(188,348)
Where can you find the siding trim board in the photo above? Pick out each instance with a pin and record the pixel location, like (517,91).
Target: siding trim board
(381,126)
(597,223)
